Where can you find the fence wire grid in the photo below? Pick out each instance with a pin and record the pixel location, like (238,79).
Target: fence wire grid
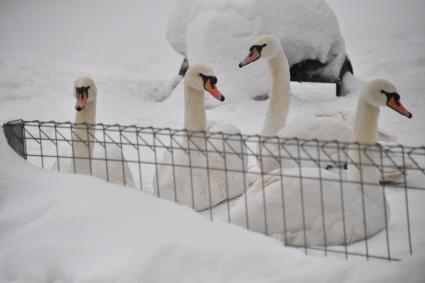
(348,199)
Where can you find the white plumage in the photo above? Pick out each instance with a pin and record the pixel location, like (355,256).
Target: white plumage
(292,217)
(90,158)
(202,177)
(315,204)
(336,126)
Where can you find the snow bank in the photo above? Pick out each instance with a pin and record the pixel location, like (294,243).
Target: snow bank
(220,33)
(67,228)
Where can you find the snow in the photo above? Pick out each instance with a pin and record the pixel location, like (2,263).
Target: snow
(69,228)
(221,32)
(212,187)
(46,44)
(128,70)
(65,228)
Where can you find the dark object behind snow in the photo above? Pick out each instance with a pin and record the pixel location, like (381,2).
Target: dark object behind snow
(305,71)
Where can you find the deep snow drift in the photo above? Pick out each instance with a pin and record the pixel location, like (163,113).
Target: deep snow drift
(221,32)
(68,228)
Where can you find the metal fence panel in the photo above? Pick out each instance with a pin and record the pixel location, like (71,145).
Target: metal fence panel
(321,196)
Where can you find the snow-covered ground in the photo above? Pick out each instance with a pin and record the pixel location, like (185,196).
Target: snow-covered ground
(59,228)
(68,228)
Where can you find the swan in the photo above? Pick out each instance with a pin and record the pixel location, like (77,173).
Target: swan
(115,169)
(268,47)
(285,195)
(321,127)
(197,186)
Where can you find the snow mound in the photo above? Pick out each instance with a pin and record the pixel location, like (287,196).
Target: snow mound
(220,33)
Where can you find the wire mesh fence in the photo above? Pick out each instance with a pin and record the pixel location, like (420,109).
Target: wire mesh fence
(321,196)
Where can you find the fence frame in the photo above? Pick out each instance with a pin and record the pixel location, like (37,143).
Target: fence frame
(17,136)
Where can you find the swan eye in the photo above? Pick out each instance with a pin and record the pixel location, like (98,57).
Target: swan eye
(396,96)
(389,95)
(205,79)
(258,47)
(82,90)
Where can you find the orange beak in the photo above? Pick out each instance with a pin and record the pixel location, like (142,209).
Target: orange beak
(81,102)
(213,90)
(252,57)
(397,106)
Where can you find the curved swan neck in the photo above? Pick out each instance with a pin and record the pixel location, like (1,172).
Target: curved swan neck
(277,110)
(365,131)
(366,122)
(194,112)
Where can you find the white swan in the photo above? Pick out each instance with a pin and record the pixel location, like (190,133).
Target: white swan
(115,169)
(329,217)
(198,187)
(320,127)
(268,47)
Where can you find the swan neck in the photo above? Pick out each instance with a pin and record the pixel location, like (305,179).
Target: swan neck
(82,135)
(278,106)
(364,132)
(366,122)
(194,114)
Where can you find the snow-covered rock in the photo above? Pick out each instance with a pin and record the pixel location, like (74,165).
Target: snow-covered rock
(220,32)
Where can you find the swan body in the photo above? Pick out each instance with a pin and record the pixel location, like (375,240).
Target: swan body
(194,174)
(105,162)
(347,118)
(330,128)
(290,219)
(283,193)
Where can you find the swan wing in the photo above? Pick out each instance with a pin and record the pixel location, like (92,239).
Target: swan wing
(321,128)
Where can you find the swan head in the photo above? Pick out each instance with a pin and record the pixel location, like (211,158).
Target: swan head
(84,92)
(383,93)
(265,47)
(201,77)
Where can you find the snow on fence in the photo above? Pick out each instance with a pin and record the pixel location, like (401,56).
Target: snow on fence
(357,203)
